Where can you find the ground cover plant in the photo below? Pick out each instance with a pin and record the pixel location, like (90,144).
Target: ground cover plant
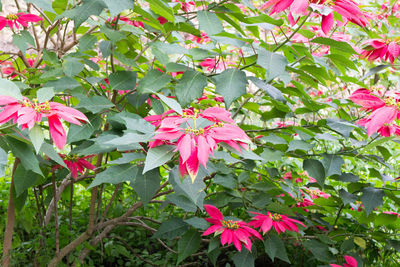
(200,133)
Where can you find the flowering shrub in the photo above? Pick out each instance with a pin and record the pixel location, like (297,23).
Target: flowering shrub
(200,133)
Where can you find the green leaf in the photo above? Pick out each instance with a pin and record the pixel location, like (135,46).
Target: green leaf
(315,169)
(243,258)
(3,162)
(342,46)
(209,22)
(81,13)
(23,179)
(198,223)
(105,48)
(45,94)
(182,201)
(95,104)
(123,80)
(188,244)
(319,250)
(62,84)
(374,70)
(275,248)
(170,229)
(225,180)
(83,132)
(112,34)
(158,156)
(194,191)
(153,82)
(269,89)
(37,137)
(128,157)
(231,84)
(171,103)
(24,152)
(147,185)
(346,197)
(348,177)
(49,151)
(43,4)
(87,42)
(190,87)
(273,63)
(117,7)
(299,144)
(116,174)
(23,40)
(162,9)
(264,19)
(72,66)
(332,164)
(9,88)
(372,198)
(378,142)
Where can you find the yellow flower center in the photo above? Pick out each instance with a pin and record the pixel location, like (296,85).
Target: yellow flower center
(38,107)
(390,101)
(196,132)
(11,17)
(230,224)
(275,217)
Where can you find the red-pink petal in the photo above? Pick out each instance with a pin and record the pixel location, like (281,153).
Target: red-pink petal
(213,212)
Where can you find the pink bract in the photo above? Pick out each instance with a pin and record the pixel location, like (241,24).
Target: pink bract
(21,18)
(26,113)
(236,232)
(279,222)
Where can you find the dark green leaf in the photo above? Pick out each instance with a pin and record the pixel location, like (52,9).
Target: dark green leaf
(23,179)
(190,87)
(116,174)
(43,4)
(188,244)
(117,7)
(62,84)
(315,169)
(333,164)
(273,63)
(81,13)
(9,88)
(24,152)
(158,156)
(319,250)
(243,258)
(372,198)
(72,66)
(87,42)
(275,248)
(162,9)
(95,104)
(231,84)
(342,46)
(172,228)
(209,22)
(147,185)
(123,80)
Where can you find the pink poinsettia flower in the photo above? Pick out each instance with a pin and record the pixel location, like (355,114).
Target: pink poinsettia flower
(202,39)
(384,111)
(21,18)
(316,193)
(236,232)
(77,164)
(348,9)
(298,7)
(350,262)
(186,6)
(279,222)
(195,144)
(383,49)
(26,113)
(162,20)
